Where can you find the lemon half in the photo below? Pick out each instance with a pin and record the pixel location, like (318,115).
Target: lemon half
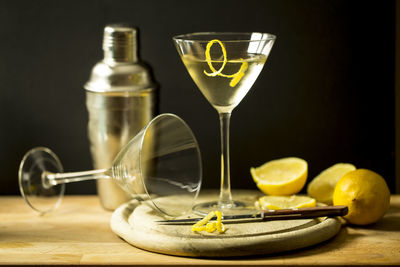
(281,177)
(286,202)
(322,186)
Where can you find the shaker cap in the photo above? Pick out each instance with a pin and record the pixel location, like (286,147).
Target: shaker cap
(119,43)
(120,70)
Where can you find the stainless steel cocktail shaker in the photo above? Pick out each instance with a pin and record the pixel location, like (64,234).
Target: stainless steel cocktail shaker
(121,97)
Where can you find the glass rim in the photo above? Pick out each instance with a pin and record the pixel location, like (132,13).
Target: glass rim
(189,37)
(145,130)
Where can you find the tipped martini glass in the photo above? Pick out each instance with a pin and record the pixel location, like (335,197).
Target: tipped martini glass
(224,67)
(161,166)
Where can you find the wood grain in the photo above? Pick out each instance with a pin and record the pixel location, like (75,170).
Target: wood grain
(78,233)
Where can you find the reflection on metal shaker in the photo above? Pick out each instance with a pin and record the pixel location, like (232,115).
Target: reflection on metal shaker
(121,98)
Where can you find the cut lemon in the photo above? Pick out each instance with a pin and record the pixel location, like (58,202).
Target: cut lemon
(322,186)
(286,202)
(281,177)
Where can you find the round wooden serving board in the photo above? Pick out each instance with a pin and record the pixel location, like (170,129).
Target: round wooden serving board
(135,223)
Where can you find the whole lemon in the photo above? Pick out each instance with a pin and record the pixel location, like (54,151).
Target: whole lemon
(365,193)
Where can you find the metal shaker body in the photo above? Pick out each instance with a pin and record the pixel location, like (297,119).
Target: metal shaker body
(121,98)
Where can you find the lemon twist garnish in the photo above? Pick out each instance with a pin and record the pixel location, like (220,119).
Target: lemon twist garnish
(239,74)
(208,58)
(205,224)
(236,77)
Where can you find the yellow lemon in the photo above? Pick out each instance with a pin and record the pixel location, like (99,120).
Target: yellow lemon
(286,202)
(281,177)
(365,193)
(322,186)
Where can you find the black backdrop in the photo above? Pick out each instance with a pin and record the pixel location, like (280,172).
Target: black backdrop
(326,93)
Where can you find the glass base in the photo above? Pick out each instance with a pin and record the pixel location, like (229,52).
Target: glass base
(234,208)
(41,198)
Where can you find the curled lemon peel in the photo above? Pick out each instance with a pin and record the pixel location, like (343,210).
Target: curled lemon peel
(239,74)
(211,227)
(205,224)
(220,226)
(236,77)
(208,58)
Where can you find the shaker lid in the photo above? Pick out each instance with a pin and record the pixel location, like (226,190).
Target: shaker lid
(120,43)
(120,69)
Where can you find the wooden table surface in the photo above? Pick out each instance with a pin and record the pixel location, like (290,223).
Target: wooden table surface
(78,233)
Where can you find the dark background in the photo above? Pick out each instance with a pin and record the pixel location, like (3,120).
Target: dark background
(326,93)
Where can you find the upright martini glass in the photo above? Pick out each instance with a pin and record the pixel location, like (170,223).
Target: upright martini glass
(224,67)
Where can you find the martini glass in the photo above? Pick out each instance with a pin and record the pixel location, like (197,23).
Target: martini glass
(224,67)
(161,165)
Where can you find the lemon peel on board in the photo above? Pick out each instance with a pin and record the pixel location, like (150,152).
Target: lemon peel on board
(205,224)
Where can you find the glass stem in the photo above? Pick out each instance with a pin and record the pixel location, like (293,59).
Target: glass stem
(50,179)
(225,197)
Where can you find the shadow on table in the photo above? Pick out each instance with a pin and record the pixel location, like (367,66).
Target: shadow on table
(389,223)
(338,241)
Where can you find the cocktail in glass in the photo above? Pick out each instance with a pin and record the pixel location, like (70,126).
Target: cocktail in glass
(224,67)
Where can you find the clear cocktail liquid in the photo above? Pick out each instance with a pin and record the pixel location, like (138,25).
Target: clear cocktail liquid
(217,89)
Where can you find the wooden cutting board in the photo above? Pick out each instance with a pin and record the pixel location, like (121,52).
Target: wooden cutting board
(135,223)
